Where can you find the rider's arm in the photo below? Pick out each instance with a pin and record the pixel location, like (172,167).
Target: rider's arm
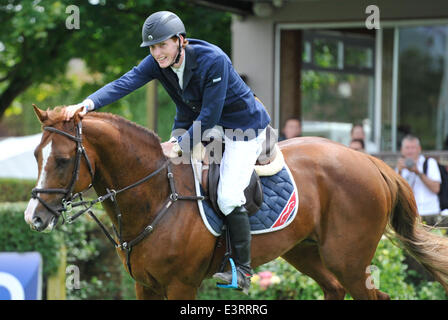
(183,120)
(130,81)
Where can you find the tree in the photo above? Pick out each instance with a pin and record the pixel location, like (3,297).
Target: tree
(36,44)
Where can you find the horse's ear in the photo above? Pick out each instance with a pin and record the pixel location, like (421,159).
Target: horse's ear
(77,116)
(41,114)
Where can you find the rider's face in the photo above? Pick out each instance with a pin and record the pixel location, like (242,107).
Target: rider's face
(165,52)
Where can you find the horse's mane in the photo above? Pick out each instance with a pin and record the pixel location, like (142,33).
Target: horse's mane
(55,116)
(124,123)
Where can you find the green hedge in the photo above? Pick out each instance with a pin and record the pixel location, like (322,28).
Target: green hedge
(278,280)
(13,190)
(101,272)
(15,235)
(103,276)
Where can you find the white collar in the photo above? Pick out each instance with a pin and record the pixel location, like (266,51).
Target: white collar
(181,68)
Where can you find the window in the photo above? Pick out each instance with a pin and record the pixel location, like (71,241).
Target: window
(423,85)
(337,83)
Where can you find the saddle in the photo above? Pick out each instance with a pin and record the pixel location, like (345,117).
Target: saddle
(253,192)
(268,163)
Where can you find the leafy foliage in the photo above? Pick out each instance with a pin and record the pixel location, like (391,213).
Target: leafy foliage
(15,235)
(103,276)
(36,44)
(277,280)
(101,273)
(12,190)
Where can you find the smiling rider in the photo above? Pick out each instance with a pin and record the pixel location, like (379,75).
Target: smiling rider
(200,79)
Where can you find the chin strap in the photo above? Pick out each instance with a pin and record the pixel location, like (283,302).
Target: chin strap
(179,52)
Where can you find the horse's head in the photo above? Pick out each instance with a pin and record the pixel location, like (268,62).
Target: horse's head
(63,165)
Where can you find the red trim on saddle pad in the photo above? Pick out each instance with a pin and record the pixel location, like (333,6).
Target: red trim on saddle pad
(289,208)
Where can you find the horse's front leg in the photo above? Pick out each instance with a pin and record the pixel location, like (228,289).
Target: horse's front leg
(146,293)
(178,290)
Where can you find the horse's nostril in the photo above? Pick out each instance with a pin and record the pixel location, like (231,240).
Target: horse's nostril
(37,223)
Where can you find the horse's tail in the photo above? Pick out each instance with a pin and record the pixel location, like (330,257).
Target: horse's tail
(430,249)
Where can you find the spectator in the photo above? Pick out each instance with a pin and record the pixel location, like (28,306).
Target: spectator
(425,187)
(357,144)
(291,129)
(357,133)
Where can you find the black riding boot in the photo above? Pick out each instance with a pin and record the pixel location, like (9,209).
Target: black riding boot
(240,238)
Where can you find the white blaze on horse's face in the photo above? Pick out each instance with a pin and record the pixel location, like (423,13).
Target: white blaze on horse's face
(32,204)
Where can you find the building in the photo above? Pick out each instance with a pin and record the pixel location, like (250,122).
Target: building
(331,63)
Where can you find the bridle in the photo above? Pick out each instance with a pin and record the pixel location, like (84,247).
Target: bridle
(67,192)
(67,202)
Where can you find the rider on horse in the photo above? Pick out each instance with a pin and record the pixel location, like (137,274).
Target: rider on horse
(205,87)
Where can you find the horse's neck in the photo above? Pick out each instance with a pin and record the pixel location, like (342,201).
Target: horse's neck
(122,150)
(122,157)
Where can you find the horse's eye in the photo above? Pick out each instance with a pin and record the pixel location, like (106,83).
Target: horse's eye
(61,162)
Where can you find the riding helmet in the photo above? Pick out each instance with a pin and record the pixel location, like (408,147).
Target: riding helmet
(161,26)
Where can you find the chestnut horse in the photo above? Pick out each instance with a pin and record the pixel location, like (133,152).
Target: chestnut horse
(348,200)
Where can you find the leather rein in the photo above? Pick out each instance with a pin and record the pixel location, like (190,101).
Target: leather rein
(68,203)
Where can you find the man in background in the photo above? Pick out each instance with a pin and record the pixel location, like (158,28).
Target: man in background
(425,186)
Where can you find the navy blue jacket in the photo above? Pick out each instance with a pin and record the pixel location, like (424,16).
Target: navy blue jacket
(213,91)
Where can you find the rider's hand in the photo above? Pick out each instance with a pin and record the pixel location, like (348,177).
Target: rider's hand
(171,148)
(69,111)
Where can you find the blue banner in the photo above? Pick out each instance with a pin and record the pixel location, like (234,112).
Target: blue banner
(20,276)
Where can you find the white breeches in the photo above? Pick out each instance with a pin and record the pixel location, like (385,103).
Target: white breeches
(237,165)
